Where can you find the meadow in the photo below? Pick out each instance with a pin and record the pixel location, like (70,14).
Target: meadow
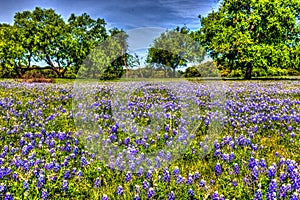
(209,140)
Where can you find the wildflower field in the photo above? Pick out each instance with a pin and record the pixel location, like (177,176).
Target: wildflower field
(241,141)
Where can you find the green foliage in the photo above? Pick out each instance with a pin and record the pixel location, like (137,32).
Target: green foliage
(191,72)
(109,59)
(250,34)
(208,69)
(43,35)
(11,51)
(173,49)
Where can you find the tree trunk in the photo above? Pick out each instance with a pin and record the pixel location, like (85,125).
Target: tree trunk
(174,72)
(248,71)
(125,63)
(94,74)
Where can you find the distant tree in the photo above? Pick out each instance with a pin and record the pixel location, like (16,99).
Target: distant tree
(109,59)
(191,72)
(244,34)
(208,69)
(173,49)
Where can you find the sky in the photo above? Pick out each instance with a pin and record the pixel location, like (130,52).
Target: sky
(125,14)
(143,19)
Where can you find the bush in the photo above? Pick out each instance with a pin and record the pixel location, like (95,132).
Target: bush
(208,69)
(235,73)
(108,76)
(191,72)
(36,76)
(293,72)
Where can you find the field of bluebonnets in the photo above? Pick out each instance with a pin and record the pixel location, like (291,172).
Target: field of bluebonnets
(255,155)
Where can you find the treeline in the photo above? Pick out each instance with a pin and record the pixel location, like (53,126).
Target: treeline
(42,36)
(244,38)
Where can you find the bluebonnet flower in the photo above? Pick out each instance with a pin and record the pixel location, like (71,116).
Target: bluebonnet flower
(196,175)
(136,198)
(53,178)
(150,193)
(83,161)
(202,183)
(26,185)
(65,186)
(282,191)
(272,189)
(231,156)
(191,192)
(263,163)
(189,180)
(291,167)
(167,177)
(225,157)
(258,195)
(166,136)
(218,169)
(215,196)
(251,163)
(179,179)
(120,190)
(255,173)
(140,171)
(282,176)
(294,196)
(236,169)
(137,189)
(104,197)
(8,196)
(145,185)
(246,181)
(67,174)
(234,183)
(271,172)
(176,171)
(56,167)
(288,187)
(2,188)
(79,173)
(149,175)
(74,170)
(217,152)
(97,182)
(44,194)
(171,196)
(205,148)
(222,197)
(128,177)
(41,181)
(168,156)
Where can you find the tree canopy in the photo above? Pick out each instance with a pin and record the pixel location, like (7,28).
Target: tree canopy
(175,48)
(42,35)
(244,34)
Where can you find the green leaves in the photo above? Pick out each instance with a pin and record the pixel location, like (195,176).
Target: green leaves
(175,48)
(43,35)
(251,33)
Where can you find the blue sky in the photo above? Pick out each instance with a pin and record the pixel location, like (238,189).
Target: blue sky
(125,14)
(129,15)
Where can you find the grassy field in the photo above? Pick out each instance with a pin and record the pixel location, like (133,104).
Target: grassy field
(241,141)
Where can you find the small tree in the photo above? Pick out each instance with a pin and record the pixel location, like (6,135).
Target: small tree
(191,72)
(173,49)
